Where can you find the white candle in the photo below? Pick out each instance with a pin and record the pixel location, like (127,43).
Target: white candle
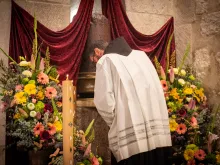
(68,92)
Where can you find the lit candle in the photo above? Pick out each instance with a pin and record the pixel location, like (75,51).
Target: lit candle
(68,92)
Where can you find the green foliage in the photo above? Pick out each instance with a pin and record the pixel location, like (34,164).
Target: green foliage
(8,56)
(38,61)
(186,53)
(157,64)
(53,72)
(168,53)
(88,129)
(35,43)
(47,58)
(92,136)
(58,160)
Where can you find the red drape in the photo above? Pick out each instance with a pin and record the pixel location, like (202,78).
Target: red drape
(66,46)
(153,45)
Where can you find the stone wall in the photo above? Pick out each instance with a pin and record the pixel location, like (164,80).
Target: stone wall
(54,14)
(197,22)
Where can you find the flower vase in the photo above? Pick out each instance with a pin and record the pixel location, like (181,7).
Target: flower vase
(39,157)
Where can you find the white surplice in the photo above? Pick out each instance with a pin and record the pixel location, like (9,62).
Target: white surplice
(129,97)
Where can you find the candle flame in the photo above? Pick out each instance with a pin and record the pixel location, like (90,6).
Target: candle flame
(67,77)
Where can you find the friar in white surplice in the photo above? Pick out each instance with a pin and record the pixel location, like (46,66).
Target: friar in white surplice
(129,97)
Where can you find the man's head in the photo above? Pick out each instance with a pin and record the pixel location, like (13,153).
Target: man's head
(97,50)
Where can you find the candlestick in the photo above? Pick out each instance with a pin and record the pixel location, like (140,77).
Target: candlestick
(68,91)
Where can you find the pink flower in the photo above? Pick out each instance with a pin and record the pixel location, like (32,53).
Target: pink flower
(200,154)
(191,104)
(88,150)
(193,122)
(171,75)
(41,65)
(94,161)
(181,129)
(42,78)
(38,128)
(162,73)
(193,86)
(164,85)
(38,116)
(50,92)
(211,138)
(34,101)
(51,129)
(18,87)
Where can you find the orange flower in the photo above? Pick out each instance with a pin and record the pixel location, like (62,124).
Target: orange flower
(164,85)
(38,128)
(50,92)
(200,154)
(51,129)
(181,129)
(42,78)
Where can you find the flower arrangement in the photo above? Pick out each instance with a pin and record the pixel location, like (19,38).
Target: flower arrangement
(32,99)
(192,123)
(82,149)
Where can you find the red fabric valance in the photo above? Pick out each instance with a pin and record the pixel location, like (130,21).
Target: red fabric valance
(153,45)
(66,46)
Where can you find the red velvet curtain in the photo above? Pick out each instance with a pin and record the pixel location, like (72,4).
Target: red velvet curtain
(153,45)
(66,46)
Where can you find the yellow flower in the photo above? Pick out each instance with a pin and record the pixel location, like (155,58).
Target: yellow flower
(218,158)
(180,100)
(188,154)
(173,116)
(59,104)
(188,91)
(30,89)
(182,72)
(40,95)
(16,116)
(20,98)
(174,93)
(58,126)
(197,98)
(173,125)
(200,92)
(24,63)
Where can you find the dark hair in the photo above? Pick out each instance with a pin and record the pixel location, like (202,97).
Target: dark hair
(98,44)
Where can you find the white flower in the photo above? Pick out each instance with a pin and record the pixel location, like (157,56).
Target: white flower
(24,63)
(188,99)
(176,70)
(30,106)
(33,114)
(27,73)
(182,72)
(181,82)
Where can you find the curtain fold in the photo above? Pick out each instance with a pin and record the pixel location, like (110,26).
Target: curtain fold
(153,45)
(66,46)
